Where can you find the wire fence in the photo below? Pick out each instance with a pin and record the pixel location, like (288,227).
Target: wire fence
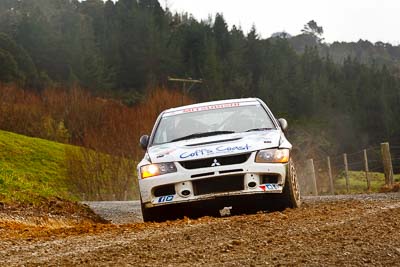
(373,169)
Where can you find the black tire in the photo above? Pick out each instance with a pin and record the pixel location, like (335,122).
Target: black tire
(160,214)
(290,196)
(291,191)
(148,214)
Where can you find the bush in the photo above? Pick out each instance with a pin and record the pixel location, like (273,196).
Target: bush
(107,130)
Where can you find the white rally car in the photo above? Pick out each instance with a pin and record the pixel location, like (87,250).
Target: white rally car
(204,157)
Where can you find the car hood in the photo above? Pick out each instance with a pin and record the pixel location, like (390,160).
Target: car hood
(215,146)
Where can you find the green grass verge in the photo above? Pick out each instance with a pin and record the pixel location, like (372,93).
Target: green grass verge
(31,169)
(358,182)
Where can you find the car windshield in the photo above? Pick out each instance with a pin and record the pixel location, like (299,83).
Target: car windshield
(188,125)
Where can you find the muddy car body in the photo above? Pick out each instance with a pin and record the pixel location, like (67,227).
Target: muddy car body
(203,157)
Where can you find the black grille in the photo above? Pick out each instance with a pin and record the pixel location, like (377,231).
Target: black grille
(228,171)
(222,184)
(202,174)
(270,179)
(205,163)
(164,190)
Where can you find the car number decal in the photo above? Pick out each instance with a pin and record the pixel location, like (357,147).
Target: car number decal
(165,199)
(268,187)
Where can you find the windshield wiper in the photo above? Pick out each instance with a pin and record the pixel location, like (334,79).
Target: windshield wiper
(260,129)
(198,135)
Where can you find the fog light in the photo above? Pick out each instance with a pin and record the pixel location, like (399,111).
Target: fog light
(252,184)
(185,193)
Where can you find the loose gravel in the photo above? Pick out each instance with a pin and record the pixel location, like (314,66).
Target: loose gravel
(362,230)
(117,212)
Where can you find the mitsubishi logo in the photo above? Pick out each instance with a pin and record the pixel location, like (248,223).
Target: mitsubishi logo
(215,163)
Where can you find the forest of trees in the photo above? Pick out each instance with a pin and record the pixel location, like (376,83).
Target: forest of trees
(123,49)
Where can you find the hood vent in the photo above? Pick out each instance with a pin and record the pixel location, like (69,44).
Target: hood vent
(215,142)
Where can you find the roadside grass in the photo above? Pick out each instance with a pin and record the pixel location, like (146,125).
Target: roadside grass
(358,182)
(31,169)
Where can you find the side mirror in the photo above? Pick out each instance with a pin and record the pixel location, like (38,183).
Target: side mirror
(283,123)
(144,141)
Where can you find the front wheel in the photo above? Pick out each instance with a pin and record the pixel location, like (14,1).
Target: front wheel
(160,214)
(148,214)
(291,191)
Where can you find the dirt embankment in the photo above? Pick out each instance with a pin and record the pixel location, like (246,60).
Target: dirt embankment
(324,231)
(47,214)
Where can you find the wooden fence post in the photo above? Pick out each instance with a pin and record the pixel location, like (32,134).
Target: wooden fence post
(310,167)
(346,172)
(367,170)
(387,163)
(332,187)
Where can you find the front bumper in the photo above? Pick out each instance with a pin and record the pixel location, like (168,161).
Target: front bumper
(250,178)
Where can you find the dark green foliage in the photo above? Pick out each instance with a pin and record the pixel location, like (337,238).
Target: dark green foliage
(312,28)
(122,48)
(364,51)
(15,63)
(8,67)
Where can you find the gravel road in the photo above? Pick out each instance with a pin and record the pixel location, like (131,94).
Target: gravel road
(122,212)
(342,230)
(117,212)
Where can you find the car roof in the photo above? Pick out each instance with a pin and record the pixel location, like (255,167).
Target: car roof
(212,105)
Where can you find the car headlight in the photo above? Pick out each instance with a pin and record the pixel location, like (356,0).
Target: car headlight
(157,169)
(273,156)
